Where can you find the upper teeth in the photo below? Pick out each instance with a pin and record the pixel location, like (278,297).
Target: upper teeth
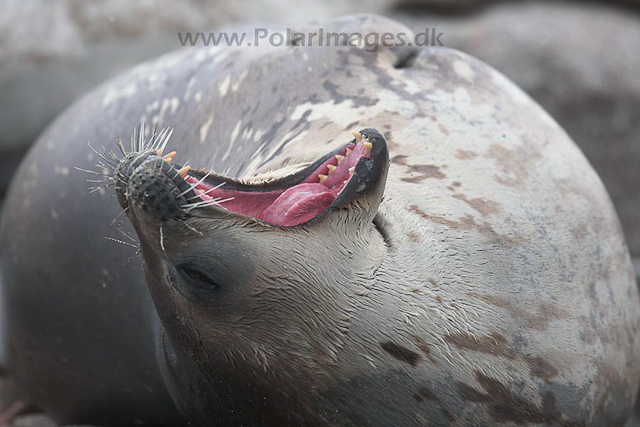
(339,158)
(331,168)
(367,148)
(322,178)
(169,156)
(357,135)
(184,170)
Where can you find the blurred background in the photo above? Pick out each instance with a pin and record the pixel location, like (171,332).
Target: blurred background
(579,59)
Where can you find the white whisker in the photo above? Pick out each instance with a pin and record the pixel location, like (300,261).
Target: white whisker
(212,202)
(192,229)
(118,216)
(101,155)
(99,180)
(121,145)
(166,140)
(90,171)
(134,137)
(207,192)
(193,186)
(121,242)
(127,236)
(141,138)
(158,138)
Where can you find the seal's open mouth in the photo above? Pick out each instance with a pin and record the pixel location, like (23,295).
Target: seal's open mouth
(289,205)
(295,199)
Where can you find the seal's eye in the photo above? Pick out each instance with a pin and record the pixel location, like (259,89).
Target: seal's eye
(197,278)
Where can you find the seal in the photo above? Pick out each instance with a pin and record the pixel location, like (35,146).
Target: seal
(210,247)
(469,269)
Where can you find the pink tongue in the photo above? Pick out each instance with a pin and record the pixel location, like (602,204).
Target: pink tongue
(298,204)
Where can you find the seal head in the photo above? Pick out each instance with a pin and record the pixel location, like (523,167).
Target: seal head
(239,310)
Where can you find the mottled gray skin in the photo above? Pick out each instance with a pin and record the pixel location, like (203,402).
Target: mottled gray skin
(496,286)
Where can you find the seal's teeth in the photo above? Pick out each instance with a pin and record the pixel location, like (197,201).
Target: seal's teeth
(331,169)
(169,157)
(339,158)
(357,136)
(322,178)
(345,182)
(351,169)
(159,152)
(184,170)
(349,150)
(367,148)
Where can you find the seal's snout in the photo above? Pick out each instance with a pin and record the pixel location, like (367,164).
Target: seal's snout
(150,185)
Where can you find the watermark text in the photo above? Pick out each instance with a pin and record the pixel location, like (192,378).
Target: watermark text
(371,41)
